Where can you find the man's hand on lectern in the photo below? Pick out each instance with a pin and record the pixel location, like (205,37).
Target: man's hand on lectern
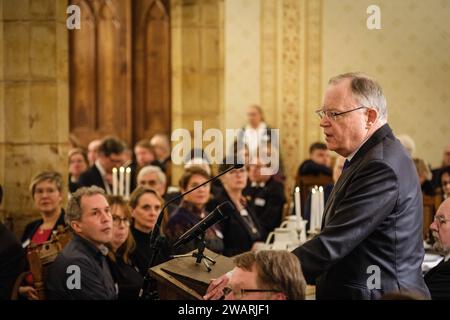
(215,289)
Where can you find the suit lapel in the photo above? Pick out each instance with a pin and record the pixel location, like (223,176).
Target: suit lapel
(375,139)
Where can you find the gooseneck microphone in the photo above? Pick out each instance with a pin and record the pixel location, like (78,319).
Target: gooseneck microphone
(156,239)
(217,215)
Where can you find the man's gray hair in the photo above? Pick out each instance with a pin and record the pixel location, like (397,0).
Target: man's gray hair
(152,169)
(74,210)
(366,91)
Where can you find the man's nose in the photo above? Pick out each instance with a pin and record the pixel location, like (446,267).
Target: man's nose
(433,226)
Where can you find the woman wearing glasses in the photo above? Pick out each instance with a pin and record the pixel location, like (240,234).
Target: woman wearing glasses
(122,245)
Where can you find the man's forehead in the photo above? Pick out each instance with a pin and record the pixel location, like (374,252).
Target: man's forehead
(94,201)
(444,209)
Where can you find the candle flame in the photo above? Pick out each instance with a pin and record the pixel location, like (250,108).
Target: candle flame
(320,189)
(122,169)
(114,169)
(128,170)
(297,189)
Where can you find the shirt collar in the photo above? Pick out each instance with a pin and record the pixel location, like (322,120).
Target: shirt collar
(100,168)
(102,250)
(260,184)
(350,156)
(261,126)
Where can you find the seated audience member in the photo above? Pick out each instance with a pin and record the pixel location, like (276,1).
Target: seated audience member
(93,151)
(110,155)
(89,217)
(78,163)
(12,259)
(438,171)
(337,170)
(146,205)
(161,146)
(241,230)
(46,192)
(144,155)
(445,183)
(408,143)
(438,278)
(122,244)
(319,162)
(425,176)
(262,275)
(191,211)
(154,178)
(266,197)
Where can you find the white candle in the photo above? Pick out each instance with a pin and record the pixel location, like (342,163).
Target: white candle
(127,183)
(121,180)
(114,182)
(298,211)
(313,211)
(321,205)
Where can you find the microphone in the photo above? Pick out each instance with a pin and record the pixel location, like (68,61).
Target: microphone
(211,219)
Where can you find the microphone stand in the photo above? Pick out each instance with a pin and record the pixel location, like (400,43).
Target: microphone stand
(156,239)
(200,257)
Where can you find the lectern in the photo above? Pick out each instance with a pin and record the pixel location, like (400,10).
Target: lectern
(184,279)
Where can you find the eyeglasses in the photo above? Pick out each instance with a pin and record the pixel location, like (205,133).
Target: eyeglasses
(239,293)
(117,220)
(332,115)
(440,219)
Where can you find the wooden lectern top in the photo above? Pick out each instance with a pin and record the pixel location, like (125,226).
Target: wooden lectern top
(182,278)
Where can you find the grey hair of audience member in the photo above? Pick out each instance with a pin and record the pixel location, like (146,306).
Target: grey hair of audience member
(152,169)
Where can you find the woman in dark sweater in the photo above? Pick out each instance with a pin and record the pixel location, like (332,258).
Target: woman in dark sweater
(191,211)
(145,206)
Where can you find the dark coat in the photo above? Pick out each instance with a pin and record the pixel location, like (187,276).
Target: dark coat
(237,236)
(309,167)
(12,261)
(438,281)
(372,221)
(267,203)
(91,177)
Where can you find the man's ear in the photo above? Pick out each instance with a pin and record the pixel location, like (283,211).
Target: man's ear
(76,226)
(372,116)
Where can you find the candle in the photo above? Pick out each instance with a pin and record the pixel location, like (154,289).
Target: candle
(114,182)
(298,211)
(321,205)
(127,183)
(121,180)
(313,211)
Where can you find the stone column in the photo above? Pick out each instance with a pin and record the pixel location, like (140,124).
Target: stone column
(197,65)
(34,105)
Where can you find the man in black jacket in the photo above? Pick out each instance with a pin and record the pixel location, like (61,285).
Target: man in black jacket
(371,238)
(110,155)
(438,278)
(318,162)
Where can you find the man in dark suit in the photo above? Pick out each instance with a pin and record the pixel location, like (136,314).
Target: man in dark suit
(110,155)
(371,238)
(438,278)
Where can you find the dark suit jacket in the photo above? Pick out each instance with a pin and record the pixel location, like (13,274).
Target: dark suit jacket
(438,281)
(267,203)
(91,177)
(309,167)
(12,261)
(373,219)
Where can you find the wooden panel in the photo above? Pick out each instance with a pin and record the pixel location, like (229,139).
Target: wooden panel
(100,66)
(151,80)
